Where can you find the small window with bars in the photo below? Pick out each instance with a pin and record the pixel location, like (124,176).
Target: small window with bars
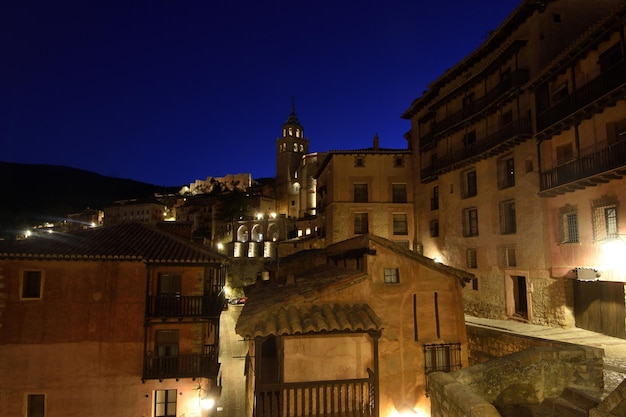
(444,357)
(605,219)
(568,227)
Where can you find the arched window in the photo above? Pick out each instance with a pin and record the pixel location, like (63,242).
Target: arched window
(242,234)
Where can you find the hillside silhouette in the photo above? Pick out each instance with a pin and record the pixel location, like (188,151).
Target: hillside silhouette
(36,193)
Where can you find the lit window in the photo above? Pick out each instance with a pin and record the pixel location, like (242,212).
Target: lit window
(392,276)
(31,285)
(165,403)
(605,219)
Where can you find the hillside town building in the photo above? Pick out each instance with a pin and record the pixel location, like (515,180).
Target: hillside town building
(511,180)
(124,317)
(378,316)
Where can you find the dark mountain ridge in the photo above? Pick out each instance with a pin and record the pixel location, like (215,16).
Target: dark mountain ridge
(33,193)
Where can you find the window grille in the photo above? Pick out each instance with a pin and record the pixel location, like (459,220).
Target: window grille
(605,219)
(444,357)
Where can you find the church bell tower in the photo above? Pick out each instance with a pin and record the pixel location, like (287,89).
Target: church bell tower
(290,148)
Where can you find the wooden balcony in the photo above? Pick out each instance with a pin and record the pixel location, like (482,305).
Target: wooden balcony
(608,85)
(204,365)
(588,170)
(498,142)
(514,80)
(193,306)
(339,398)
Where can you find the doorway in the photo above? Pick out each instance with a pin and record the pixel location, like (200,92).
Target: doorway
(518,296)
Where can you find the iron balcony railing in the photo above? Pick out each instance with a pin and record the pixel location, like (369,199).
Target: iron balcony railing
(204,365)
(604,83)
(491,144)
(606,159)
(345,398)
(167,306)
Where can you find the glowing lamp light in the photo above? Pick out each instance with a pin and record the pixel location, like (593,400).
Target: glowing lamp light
(207,403)
(220,246)
(273,215)
(437,259)
(259,216)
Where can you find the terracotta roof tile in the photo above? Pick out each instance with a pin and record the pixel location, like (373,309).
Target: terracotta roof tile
(303,319)
(287,309)
(124,241)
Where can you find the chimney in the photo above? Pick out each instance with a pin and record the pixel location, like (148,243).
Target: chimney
(376,142)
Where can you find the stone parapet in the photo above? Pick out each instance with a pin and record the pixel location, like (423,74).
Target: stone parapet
(523,378)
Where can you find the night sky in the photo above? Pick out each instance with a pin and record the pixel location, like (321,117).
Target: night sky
(169,91)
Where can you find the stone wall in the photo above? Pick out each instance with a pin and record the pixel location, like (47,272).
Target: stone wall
(485,344)
(522,378)
(520,368)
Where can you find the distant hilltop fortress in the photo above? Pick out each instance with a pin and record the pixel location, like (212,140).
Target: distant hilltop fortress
(229,182)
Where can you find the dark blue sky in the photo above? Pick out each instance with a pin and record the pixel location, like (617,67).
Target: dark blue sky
(169,91)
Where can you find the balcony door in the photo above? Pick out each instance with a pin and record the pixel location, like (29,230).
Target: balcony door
(166,351)
(168,292)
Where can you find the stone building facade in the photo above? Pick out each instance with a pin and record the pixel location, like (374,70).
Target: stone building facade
(478,168)
(366,191)
(378,316)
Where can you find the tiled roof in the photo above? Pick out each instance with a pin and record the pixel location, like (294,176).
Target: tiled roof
(124,242)
(293,320)
(288,309)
